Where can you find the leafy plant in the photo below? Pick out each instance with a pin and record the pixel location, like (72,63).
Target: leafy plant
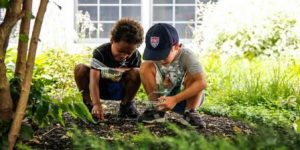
(271,29)
(53,89)
(141,94)
(259,90)
(264,138)
(58,66)
(297,126)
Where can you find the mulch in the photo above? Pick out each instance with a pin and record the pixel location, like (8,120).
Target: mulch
(55,137)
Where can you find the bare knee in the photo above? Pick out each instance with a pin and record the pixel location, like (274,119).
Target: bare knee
(81,70)
(197,99)
(134,75)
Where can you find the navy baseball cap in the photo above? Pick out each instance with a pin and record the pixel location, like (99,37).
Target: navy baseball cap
(159,41)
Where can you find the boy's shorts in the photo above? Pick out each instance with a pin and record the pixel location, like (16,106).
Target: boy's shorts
(110,90)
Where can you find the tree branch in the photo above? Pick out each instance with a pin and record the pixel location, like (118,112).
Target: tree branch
(26,84)
(23,40)
(12,15)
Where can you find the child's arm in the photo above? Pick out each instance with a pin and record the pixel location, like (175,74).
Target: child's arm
(198,84)
(95,95)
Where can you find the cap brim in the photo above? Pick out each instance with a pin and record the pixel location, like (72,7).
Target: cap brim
(156,55)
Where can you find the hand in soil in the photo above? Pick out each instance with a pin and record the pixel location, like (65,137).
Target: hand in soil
(97,111)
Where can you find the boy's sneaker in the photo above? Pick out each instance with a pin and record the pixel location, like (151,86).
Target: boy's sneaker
(194,119)
(128,111)
(151,115)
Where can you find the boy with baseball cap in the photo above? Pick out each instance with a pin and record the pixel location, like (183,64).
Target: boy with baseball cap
(171,76)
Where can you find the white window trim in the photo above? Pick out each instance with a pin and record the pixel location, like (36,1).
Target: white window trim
(102,40)
(146,17)
(173,22)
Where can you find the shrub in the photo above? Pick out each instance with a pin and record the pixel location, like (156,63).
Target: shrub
(250,28)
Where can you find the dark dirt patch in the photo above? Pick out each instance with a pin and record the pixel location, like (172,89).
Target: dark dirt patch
(55,137)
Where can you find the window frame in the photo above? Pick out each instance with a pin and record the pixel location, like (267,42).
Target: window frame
(174,22)
(146,17)
(98,5)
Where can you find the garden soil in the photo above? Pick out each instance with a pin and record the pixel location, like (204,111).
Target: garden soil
(55,136)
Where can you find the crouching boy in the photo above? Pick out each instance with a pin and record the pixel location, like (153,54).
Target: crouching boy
(171,76)
(114,71)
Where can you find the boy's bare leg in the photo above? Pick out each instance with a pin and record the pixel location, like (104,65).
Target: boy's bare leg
(82,78)
(195,101)
(192,115)
(132,84)
(148,73)
(148,77)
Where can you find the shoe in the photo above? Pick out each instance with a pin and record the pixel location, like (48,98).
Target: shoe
(128,111)
(151,115)
(194,119)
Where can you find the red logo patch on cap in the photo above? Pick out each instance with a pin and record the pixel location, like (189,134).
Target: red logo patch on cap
(154,41)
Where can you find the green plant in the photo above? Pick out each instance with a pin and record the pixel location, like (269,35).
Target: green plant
(43,109)
(58,66)
(141,94)
(258,90)
(26,133)
(271,29)
(53,91)
(264,138)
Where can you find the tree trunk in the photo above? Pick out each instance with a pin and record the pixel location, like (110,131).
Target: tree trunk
(5,99)
(13,14)
(26,84)
(23,40)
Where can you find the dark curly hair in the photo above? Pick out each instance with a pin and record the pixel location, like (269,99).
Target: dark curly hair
(127,30)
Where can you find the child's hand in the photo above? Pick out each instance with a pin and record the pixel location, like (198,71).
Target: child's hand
(166,103)
(97,111)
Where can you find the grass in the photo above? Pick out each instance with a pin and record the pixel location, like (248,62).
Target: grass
(261,90)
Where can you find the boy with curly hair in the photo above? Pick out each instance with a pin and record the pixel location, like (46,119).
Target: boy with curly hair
(114,71)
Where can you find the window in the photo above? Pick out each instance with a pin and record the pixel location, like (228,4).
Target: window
(179,13)
(98,16)
(95,18)
(2,14)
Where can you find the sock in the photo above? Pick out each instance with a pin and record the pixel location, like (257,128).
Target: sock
(189,110)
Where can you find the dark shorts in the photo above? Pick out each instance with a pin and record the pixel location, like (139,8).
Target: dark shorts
(110,90)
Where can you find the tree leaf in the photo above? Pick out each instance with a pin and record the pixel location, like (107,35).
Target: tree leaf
(32,16)
(24,38)
(59,7)
(296,126)
(83,112)
(57,114)
(42,111)
(236,129)
(4,3)
(26,132)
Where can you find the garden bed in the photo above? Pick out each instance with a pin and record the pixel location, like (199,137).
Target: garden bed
(55,137)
